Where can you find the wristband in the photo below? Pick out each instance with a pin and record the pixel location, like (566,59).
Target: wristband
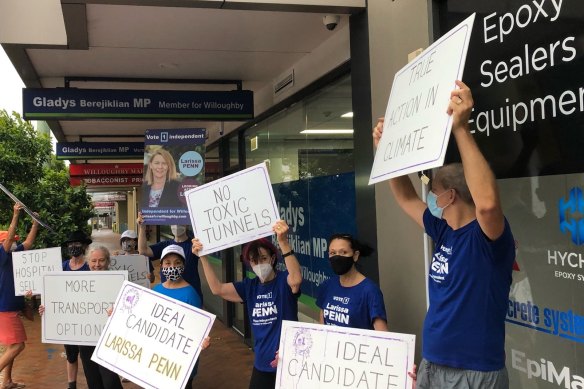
(291,252)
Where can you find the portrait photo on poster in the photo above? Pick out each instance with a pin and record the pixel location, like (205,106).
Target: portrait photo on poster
(173,164)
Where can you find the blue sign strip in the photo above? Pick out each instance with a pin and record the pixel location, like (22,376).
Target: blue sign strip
(99,150)
(79,104)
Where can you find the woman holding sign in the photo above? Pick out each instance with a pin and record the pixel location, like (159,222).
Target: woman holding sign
(350,299)
(12,333)
(77,244)
(97,376)
(270,298)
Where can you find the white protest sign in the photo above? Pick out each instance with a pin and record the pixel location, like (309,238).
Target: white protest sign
(30,266)
(233,210)
(135,264)
(317,356)
(152,339)
(76,304)
(416,127)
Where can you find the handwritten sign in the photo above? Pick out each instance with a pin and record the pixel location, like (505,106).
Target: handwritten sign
(233,210)
(152,339)
(416,127)
(30,266)
(76,304)
(136,265)
(318,356)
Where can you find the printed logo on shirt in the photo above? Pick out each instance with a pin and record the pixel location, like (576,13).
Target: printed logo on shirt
(439,267)
(336,314)
(344,300)
(264,312)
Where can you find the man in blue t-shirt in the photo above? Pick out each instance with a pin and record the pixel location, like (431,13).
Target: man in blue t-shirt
(470,274)
(12,334)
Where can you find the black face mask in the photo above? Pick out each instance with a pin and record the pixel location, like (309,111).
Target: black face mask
(340,264)
(75,251)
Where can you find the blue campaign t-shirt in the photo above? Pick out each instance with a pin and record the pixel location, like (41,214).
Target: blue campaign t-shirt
(355,306)
(8,301)
(468,285)
(267,305)
(67,266)
(191,274)
(186,294)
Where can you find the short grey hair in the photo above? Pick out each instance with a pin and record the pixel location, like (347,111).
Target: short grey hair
(103,249)
(451,176)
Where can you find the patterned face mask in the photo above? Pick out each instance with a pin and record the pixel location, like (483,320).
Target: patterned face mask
(173,273)
(75,250)
(129,245)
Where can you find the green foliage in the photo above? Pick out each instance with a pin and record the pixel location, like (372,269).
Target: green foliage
(31,173)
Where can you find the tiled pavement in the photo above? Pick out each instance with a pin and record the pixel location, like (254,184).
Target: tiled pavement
(226,364)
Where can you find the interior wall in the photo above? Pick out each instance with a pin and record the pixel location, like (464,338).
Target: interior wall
(397,28)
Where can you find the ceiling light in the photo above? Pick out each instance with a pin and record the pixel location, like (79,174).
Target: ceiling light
(347,115)
(332,131)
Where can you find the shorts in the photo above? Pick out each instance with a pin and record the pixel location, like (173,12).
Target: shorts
(433,376)
(11,328)
(72,352)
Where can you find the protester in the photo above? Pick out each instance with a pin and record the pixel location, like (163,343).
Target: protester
(97,376)
(129,244)
(12,333)
(270,298)
(161,187)
(77,244)
(349,299)
(172,267)
(191,274)
(470,275)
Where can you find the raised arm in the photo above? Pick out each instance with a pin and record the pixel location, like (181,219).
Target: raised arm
(478,174)
(12,228)
(143,247)
(402,187)
(32,234)
(292,265)
(224,290)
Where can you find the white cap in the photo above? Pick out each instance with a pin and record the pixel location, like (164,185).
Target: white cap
(173,248)
(130,234)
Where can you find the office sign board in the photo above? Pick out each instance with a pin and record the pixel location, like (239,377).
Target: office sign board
(416,127)
(73,103)
(524,67)
(100,150)
(98,181)
(105,169)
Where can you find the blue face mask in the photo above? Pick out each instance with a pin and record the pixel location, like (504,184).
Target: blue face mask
(432,203)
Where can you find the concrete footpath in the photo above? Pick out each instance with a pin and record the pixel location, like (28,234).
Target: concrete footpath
(226,364)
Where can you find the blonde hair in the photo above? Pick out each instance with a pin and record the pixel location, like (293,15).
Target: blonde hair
(171,174)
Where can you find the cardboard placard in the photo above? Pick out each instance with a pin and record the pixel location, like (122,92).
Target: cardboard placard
(152,339)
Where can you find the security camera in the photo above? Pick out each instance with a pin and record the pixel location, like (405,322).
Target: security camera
(331,21)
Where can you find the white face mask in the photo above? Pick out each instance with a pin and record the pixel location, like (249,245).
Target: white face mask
(178,230)
(262,270)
